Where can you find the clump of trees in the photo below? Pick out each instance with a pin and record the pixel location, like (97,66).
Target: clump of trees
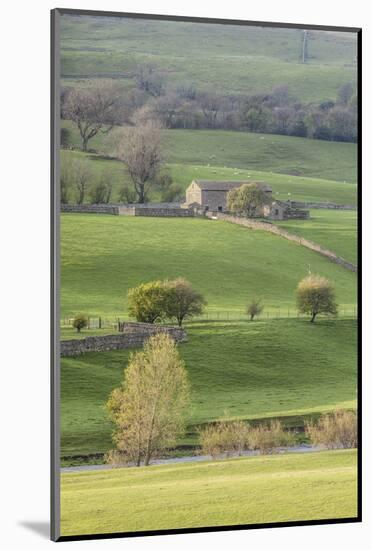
(234,437)
(334,431)
(170,299)
(316,294)
(149,409)
(247,200)
(78,185)
(100,192)
(254,308)
(80,321)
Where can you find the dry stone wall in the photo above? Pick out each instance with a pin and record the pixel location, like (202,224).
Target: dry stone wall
(271,228)
(90,209)
(132,335)
(325,205)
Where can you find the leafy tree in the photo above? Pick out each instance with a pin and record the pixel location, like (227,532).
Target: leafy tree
(182,301)
(81,175)
(247,199)
(149,408)
(127,195)
(101,191)
(65,138)
(139,148)
(80,321)
(64,179)
(254,308)
(316,294)
(147,302)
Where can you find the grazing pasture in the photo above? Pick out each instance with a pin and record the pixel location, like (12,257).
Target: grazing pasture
(247,370)
(334,229)
(216,149)
(293,487)
(216,58)
(103,256)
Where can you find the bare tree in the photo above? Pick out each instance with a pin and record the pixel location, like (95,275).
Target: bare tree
(139,148)
(93,110)
(80,176)
(150,79)
(210,105)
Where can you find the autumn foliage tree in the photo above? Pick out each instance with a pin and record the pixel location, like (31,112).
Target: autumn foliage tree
(316,294)
(149,408)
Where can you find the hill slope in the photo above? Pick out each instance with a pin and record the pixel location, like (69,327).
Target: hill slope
(103,256)
(243,150)
(218,57)
(284,367)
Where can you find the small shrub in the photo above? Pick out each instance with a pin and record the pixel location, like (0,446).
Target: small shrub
(80,321)
(334,431)
(224,438)
(254,308)
(267,438)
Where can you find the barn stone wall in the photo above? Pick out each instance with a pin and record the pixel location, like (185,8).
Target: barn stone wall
(132,335)
(325,205)
(271,228)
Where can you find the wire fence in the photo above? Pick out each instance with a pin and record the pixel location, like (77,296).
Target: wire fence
(97,323)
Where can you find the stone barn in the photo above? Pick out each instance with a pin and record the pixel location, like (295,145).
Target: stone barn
(280,210)
(212,195)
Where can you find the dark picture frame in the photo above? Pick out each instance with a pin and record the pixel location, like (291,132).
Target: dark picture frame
(55,271)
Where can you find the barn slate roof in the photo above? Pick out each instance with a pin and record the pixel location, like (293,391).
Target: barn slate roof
(210,185)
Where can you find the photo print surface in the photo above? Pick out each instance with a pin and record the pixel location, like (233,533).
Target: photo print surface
(205,274)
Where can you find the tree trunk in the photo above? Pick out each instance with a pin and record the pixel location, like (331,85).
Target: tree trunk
(313,317)
(141,196)
(138,462)
(251,317)
(84,143)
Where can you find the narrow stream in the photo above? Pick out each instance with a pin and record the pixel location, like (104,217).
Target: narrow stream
(196,458)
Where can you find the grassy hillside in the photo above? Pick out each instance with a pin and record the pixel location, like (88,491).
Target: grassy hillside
(103,256)
(336,230)
(284,367)
(232,492)
(293,156)
(293,187)
(218,57)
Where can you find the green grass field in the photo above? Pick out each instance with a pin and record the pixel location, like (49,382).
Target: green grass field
(230,492)
(103,256)
(334,229)
(218,57)
(216,149)
(284,367)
